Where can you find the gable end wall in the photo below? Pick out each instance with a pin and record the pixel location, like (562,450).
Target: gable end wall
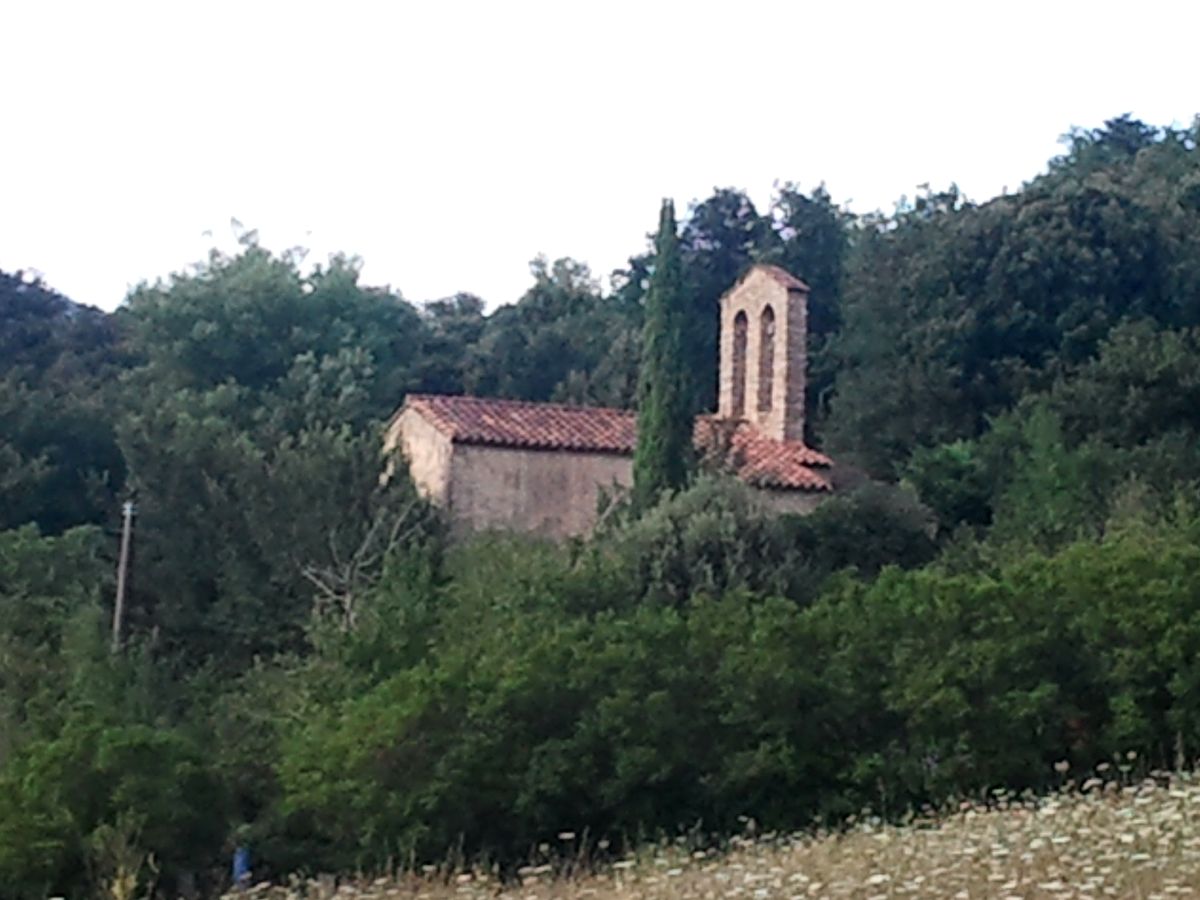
(427,451)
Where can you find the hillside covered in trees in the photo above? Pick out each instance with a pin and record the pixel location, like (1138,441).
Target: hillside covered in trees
(309,666)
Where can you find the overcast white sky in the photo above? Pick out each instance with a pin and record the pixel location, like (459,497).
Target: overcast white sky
(449,143)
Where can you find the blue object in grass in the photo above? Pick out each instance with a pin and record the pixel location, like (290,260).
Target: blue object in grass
(241,866)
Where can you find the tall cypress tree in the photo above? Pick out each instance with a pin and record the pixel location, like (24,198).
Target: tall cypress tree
(664,447)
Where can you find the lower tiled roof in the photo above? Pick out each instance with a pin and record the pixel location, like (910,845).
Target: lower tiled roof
(738,445)
(760,460)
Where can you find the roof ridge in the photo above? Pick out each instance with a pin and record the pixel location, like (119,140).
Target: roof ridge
(498,421)
(776,273)
(508,401)
(782,275)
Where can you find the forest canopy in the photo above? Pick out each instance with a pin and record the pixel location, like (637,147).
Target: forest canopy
(310,665)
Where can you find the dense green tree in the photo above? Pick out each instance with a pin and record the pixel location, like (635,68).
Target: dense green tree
(721,238)
(561,341)
(250,318)
(716,538)
(954,311)
(47,584)
(954,482)
(48,339)
(663,458)
(813,238)
(1144,383)
(60,465)
(59,462)
(88,738)
(454,326)
(1053,467)
(231,518)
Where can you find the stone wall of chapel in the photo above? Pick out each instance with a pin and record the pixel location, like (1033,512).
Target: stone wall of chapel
(552,493)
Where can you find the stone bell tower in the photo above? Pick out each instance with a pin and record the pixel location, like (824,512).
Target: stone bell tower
(764,357)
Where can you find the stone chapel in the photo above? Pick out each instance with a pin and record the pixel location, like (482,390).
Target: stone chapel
(540,467)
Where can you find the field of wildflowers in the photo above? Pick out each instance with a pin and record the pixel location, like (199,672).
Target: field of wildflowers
(1095,839)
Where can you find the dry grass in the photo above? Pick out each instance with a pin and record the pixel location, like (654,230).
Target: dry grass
(1097,840)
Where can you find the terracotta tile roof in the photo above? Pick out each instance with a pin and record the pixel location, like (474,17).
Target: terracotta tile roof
(760,460)
(783,276)
(750,455)
(517,423)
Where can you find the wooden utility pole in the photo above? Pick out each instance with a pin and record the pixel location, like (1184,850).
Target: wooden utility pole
(127,511)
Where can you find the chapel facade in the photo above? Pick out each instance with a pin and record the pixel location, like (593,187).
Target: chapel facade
(541,467)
